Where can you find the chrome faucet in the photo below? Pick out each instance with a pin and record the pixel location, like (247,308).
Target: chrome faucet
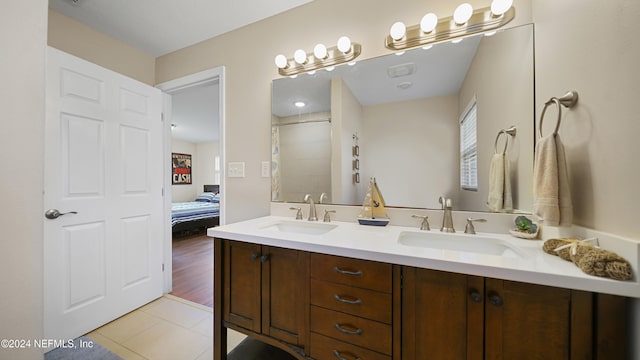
(312,208)
(447,220)
(323,198)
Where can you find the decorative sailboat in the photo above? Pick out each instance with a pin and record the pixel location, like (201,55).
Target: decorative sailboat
(373,211)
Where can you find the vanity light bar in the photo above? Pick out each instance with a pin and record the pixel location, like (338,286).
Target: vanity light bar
(344,52)
(446,29)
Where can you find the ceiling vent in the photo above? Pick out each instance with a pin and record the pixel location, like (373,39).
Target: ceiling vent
(401,70)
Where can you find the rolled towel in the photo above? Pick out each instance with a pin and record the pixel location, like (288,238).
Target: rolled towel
(590,259)
(603,263)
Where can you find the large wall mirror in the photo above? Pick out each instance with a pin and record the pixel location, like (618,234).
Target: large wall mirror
(398,118)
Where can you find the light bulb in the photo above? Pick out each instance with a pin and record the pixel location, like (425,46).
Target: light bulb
(428,22)
(463,13)
(427,47)
(299,104)
(499,7)
(397,31)
(330,68)
(320,51)
(281,61)
(399,53)
(344,44)
(300,56)
(458,40)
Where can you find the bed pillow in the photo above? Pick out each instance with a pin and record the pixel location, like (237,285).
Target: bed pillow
(208,197)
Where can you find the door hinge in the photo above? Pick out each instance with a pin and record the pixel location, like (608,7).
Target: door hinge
(161,116)
(162,267)
(162,192)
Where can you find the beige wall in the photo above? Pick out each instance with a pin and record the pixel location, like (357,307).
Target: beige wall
(346,121)
(84,42)
(23,37)
(396,150)
(592,47)
(248,53)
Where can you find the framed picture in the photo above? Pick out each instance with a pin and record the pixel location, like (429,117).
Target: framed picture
(181,169)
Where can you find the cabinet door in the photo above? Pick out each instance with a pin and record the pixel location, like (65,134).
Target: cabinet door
(526,321)
(285,295)
(242,284)
(442,315)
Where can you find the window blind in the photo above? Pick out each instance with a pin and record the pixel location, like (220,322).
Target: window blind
(469,150)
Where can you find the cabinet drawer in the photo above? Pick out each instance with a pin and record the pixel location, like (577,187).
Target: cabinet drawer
(355,330)
(354,272)
(324,348)
(365,303)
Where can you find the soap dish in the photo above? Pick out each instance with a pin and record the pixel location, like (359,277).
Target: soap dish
(524,235)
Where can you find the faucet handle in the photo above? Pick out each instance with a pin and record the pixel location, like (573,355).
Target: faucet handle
(327,216)
(298,213)
(469,228)
(424,225)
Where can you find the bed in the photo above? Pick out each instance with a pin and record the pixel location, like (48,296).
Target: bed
(203,212)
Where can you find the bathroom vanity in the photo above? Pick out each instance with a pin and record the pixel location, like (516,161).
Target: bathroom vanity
(343,291)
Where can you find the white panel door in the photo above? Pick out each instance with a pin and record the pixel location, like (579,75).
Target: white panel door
(103,165)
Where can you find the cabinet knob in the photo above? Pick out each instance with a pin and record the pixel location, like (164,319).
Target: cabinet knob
(475,296)
(339,356)
(496,300)
(255,256)
(264,258)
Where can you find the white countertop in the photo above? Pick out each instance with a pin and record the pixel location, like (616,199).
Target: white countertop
(380,244)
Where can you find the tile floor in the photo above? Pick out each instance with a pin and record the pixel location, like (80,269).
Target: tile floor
(167,328)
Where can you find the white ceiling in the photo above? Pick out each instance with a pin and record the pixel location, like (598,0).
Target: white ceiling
(158,27)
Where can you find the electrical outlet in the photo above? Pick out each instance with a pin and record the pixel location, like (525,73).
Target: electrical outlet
(235,170)
(266,168)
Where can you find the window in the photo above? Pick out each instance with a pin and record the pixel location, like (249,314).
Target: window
(469,149)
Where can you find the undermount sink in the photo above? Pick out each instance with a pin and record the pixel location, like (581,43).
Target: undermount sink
(458,242)
(299,227)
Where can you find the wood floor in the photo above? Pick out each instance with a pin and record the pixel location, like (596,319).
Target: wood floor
(193,268)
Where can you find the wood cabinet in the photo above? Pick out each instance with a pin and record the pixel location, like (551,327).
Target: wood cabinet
(318,306)
(456,316)
(266,291)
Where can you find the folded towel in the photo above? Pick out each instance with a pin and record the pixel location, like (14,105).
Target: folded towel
(590,259)
(552,197)
(499,184)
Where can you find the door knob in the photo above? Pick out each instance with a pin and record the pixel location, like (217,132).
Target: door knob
(54,213)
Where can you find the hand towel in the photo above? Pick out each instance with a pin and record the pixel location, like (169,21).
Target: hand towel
(551,194)
(499,184)
(496,183)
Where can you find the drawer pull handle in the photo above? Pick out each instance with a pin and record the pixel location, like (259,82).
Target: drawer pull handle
(339,356)
(347,301)
(347,331)
(347,272)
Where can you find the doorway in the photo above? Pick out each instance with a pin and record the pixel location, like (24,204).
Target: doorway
(194,125)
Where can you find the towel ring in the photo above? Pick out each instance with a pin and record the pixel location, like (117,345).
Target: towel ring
(506,142)
(511,132)
(568,100)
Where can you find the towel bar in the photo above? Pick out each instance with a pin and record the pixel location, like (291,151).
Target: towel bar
(568,100)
